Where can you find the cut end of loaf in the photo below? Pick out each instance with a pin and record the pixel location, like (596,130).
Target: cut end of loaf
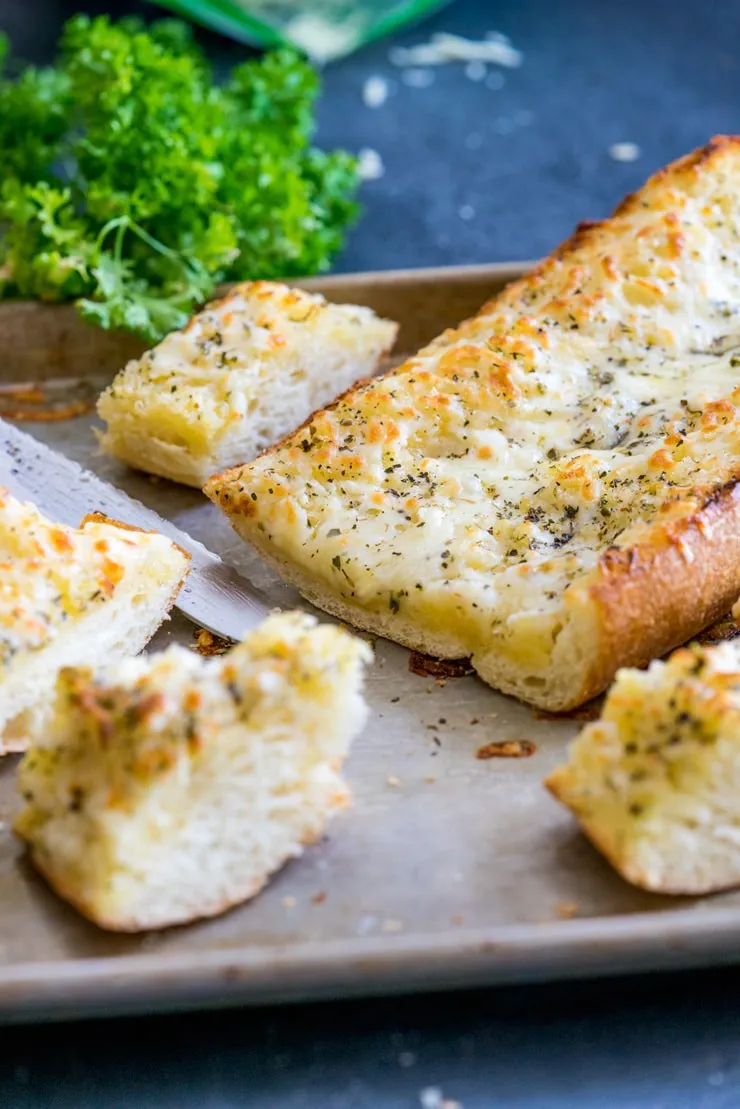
(169,788)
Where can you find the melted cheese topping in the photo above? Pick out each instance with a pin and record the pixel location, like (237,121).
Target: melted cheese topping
(471,487)
(651,778)
(51,575)
(123,729)
(200,382)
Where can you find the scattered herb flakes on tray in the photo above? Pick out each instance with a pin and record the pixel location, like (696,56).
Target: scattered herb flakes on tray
(132,184)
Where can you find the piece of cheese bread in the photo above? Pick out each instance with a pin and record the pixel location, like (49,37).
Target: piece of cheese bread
(655,781)
(550,488)
(72,596)
(242,373)
(170,787)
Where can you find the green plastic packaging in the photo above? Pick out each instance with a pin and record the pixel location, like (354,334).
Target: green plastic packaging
(323,29)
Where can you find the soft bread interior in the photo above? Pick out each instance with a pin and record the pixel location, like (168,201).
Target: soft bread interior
(240,376)
(72,596)
(655,782)
(122,627)
(170,787)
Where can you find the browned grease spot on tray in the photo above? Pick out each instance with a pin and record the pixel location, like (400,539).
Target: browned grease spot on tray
(35,402)
(440,668)
(208,644)
(507,749)
(723,630)
(583,713)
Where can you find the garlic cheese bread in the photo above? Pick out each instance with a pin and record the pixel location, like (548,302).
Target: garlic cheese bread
(241,374)
(550,488)
(72,596)
(655,782)
(170,787)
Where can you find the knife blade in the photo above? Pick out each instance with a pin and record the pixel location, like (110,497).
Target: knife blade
(213,594)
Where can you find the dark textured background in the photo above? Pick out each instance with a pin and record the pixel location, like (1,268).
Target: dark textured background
(661,74)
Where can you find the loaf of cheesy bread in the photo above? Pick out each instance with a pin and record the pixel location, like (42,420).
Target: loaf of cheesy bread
(550,488)
(170,787)
(243,372)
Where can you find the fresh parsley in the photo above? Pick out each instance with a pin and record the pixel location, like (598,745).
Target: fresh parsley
(132,184)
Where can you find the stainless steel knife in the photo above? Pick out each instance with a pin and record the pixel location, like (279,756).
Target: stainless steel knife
(213,595)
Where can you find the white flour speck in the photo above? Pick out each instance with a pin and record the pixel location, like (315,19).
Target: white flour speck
(430,1097)
(375,91)
(624,151)
(466,211)
(369,164)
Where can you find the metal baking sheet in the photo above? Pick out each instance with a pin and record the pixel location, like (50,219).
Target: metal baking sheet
(447,871)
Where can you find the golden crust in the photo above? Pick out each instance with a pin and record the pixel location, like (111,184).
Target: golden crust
(694,561)
(657,542)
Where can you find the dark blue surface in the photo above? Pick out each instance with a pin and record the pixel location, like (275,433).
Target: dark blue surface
(660,74)
(654,1043)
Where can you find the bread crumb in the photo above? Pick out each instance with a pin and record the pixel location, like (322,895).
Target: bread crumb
(288,902)
(208,644)
(566,910)
(507,749)
(318,898)
(393,780)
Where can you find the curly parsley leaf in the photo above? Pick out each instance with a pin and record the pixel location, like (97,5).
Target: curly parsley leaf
(131,183)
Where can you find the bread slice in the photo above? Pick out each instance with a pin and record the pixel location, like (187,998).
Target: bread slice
(551,488)
(243,373)
(655,783)
(170,787)
(72,596)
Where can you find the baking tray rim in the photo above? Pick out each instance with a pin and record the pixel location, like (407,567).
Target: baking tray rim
(622,944)
(411,962)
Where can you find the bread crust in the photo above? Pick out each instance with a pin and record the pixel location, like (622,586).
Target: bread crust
(656,595)
(643,598)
